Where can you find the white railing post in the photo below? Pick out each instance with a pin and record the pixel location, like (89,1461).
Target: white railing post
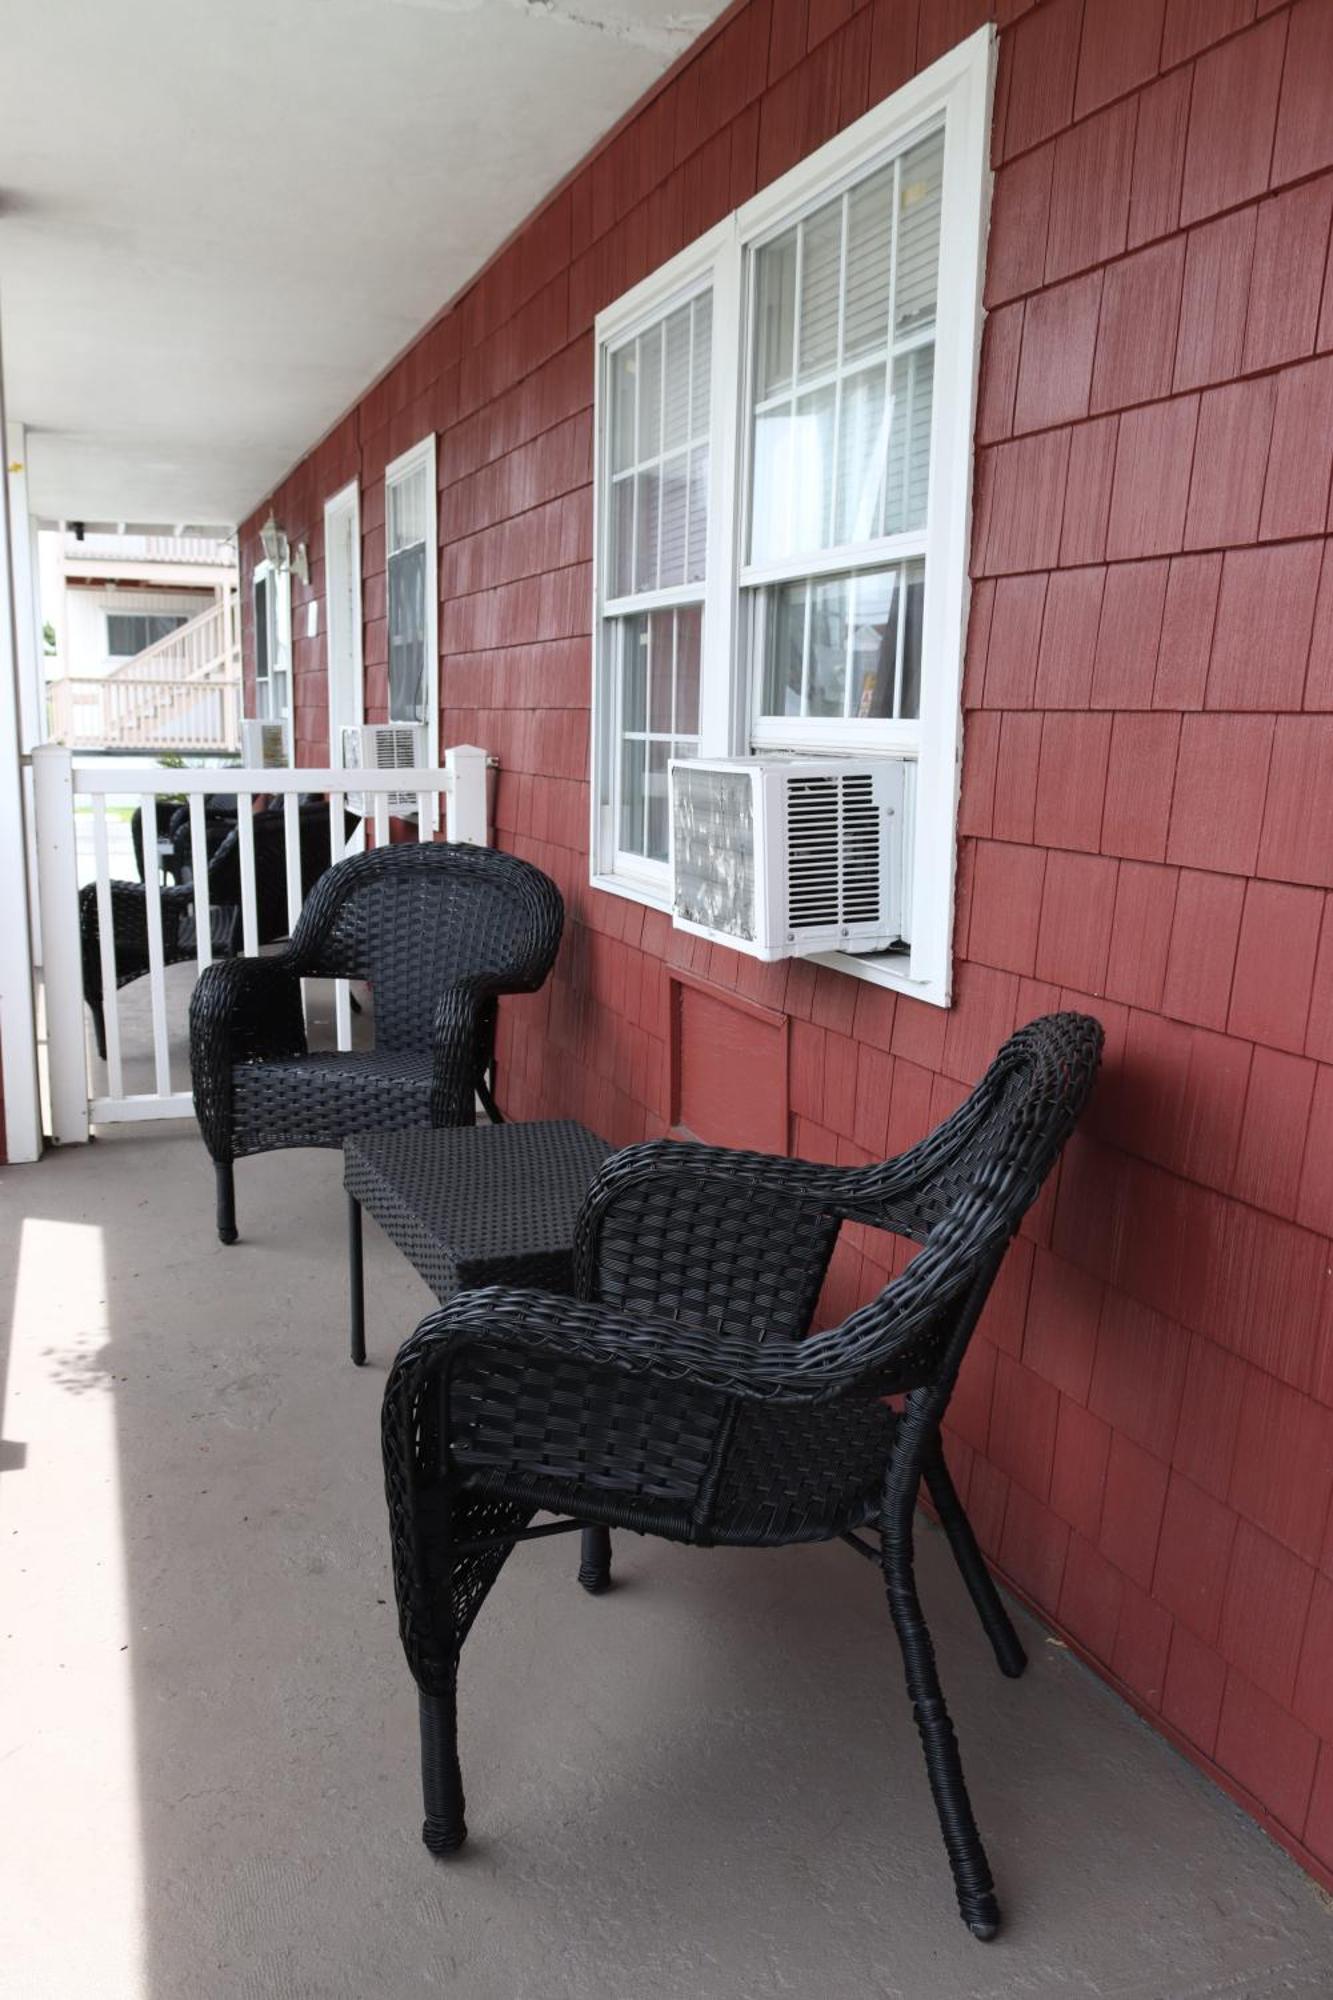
(465,816)
(62,964)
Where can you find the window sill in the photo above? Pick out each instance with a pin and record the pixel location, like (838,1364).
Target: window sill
(890,968)
(633,892)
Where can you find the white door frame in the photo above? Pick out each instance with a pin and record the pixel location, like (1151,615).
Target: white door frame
(347,690)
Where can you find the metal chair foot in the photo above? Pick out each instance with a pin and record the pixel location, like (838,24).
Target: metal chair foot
(226,1192)
(595,1563)
(444,1828)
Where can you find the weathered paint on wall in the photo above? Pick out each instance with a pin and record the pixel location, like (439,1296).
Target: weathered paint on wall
(1144,1429)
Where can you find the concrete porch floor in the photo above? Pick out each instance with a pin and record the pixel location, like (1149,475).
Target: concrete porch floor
(704,1784)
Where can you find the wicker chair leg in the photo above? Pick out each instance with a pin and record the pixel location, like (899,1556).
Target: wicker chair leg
(595,1561)
(967,1858)
(444,1828)
(486,1092)
(98,1013)
(356,1282)
(1008,1647)
(226,1180)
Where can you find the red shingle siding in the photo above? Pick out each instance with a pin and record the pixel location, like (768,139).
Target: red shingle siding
(1144,1428)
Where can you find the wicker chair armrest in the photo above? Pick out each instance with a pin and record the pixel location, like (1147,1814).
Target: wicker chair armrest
(129,926)
(241,1010)
(504,1319)
(252,1005)
(462,1043)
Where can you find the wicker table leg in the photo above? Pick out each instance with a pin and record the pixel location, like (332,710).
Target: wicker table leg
(356,1279)
(595,1561)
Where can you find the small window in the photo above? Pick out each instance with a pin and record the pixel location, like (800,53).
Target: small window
(659,385)
(130,632)
(409,492)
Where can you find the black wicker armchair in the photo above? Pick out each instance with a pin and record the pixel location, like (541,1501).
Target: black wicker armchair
(165,860)
(681,1395)
(129,901)
(440,932)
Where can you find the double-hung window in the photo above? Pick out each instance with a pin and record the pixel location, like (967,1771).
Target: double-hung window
(411,555)
(782,483)
(656,497)
(273,647)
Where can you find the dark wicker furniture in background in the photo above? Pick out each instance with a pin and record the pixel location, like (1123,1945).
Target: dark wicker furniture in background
(165,860)
(129,900)
(682,1396)
(440,932)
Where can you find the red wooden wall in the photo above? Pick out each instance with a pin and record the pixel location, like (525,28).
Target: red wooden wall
(1144,1433)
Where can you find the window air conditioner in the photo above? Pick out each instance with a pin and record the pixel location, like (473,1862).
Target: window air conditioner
(383,746)
(784,856)
(264,745)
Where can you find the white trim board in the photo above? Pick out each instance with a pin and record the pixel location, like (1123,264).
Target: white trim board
(344,507)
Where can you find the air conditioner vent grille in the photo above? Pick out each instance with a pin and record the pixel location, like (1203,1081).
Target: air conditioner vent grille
(833,851)
(265,744)
(714,850)
(383,746)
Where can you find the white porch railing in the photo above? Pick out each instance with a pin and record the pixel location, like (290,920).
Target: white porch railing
(78,1097)
(146,716)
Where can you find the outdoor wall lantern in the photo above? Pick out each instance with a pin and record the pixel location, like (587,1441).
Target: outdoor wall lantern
(277,550)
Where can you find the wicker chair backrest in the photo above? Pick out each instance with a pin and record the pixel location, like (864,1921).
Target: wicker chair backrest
(961,1194)
(739,1244)
(224,868)
(414,920)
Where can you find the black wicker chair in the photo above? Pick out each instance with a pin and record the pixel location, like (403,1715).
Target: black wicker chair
(165,859)
(440,932)
(129,903)
(680,1394)
(219,821)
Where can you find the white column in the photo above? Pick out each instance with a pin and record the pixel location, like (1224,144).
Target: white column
(18,1019)
(62,959)
(27,593)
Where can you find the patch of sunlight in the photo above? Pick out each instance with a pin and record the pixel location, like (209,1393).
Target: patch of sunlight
(71,1915)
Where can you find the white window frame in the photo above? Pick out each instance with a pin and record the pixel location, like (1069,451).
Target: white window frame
(280,580)
(957,91)
(395,473)
(347,501)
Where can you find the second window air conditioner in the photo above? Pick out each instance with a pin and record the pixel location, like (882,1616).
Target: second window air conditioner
(263,744)
(786,856)
(383,746)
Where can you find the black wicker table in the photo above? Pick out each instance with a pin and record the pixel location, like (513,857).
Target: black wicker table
(471,1205)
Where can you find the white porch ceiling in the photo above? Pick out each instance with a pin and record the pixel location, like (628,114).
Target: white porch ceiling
(219,224)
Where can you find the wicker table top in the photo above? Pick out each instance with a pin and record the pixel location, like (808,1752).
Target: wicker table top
(478,1205)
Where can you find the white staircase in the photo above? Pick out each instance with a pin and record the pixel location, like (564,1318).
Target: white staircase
(182,693)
